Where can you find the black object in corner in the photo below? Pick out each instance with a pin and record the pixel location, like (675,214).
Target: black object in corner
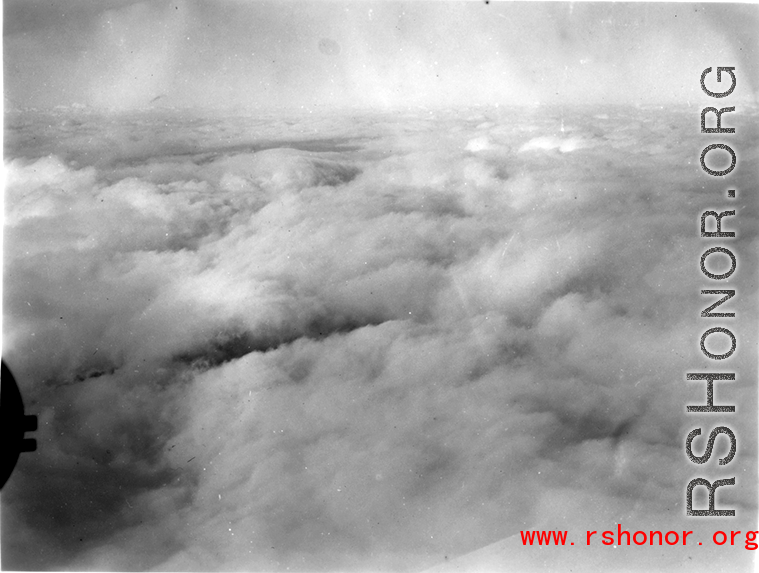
(13,425)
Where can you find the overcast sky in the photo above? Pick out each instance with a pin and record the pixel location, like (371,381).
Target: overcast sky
(368,341)
(222,53)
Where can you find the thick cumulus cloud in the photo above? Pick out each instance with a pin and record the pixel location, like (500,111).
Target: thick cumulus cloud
(365,343)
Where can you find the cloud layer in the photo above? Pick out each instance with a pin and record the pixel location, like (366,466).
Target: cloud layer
(366,342)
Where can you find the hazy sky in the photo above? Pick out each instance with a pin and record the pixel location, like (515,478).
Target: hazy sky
(221,53)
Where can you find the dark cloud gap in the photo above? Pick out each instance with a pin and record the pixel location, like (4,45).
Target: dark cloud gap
(81,375)
(328,145)
(433,203)
(55,133)
(589,426)
(230,346)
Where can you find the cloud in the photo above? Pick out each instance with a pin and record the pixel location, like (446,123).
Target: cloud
(294,342)
(224,54)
